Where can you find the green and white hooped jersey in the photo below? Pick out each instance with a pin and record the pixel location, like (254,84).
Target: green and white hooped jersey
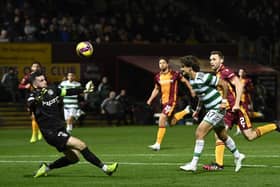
(204,86)
(70,101)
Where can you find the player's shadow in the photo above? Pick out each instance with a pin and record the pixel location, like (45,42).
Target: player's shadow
(67,176)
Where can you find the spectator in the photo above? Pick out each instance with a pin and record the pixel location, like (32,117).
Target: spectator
(111,107)
(93,101)
(125,107)
(29,30)
(104,88)
(4,36)
(10,82)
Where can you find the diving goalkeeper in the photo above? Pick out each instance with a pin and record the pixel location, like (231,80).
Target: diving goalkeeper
(43,101)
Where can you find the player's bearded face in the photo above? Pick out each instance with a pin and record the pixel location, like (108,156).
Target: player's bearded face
(215,61)
(163,65)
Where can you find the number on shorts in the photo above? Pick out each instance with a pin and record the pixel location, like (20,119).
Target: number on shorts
(211,114)
(214,117)
(167,109)
(242,122)
(60,133)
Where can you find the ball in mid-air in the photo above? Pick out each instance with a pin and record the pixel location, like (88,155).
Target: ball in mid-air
(84,49)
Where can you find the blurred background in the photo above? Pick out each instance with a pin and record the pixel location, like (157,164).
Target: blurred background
(128,37)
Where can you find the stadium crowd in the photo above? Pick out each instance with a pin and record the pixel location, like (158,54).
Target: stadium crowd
(253,26)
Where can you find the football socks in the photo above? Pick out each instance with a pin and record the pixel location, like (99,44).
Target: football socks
(160,134)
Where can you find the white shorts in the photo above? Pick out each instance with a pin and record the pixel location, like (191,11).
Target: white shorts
(215,117)
(72,112)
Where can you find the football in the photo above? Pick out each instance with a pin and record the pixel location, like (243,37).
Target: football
(84,49)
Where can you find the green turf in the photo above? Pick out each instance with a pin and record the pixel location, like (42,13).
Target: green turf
(139,166)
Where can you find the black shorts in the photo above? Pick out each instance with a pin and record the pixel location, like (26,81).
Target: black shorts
(57,138)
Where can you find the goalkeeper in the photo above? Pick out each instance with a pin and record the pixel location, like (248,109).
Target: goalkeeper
(43,101)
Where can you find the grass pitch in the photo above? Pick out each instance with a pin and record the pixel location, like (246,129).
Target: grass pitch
(138,165)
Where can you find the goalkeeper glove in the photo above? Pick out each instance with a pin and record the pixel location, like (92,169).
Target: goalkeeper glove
(89,87)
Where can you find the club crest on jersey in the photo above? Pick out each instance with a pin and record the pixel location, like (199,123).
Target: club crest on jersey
(50,92)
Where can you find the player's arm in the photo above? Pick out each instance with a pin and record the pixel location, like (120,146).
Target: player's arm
(187,83)
(103,105)
(24,84)
(222,84)
(153,94)
(250,88)
(238,90)
(197,110)
(76,91)
(32,100)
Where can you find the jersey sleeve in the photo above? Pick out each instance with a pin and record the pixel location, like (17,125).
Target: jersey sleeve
(31,101)
(227,74)
(61,85)
(24,81)
(156,79)
(179,75)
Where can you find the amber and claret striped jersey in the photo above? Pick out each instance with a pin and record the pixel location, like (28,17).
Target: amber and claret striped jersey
(168,83)
(247,89)
(227,74)
(24,81)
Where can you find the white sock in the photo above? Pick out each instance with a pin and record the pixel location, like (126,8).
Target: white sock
(69,127)
(232,147)
(104,168)
(199,145)
(187,109)
(48,169)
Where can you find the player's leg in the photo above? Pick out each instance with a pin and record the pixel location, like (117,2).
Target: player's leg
(230,144)
(246,127)
(219,157)
(34,126)
(68,116)
(238,131)
(166,112)
(33,135)
(71,157)
(229,119)
(160,133)
(78,144)
(201,131)
(69,124)
(40,136)
(220,146)
(180,115)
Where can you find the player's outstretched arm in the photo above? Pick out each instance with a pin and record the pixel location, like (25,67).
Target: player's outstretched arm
(89,87)
(153,94)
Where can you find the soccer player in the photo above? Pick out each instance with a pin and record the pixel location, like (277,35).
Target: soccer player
(166,82)
(71,107)
(204,85)
(25,85)
(246,95)
(235,112)
(43,101)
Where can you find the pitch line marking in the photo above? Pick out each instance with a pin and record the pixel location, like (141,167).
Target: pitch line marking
(133,163)
(138,155)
